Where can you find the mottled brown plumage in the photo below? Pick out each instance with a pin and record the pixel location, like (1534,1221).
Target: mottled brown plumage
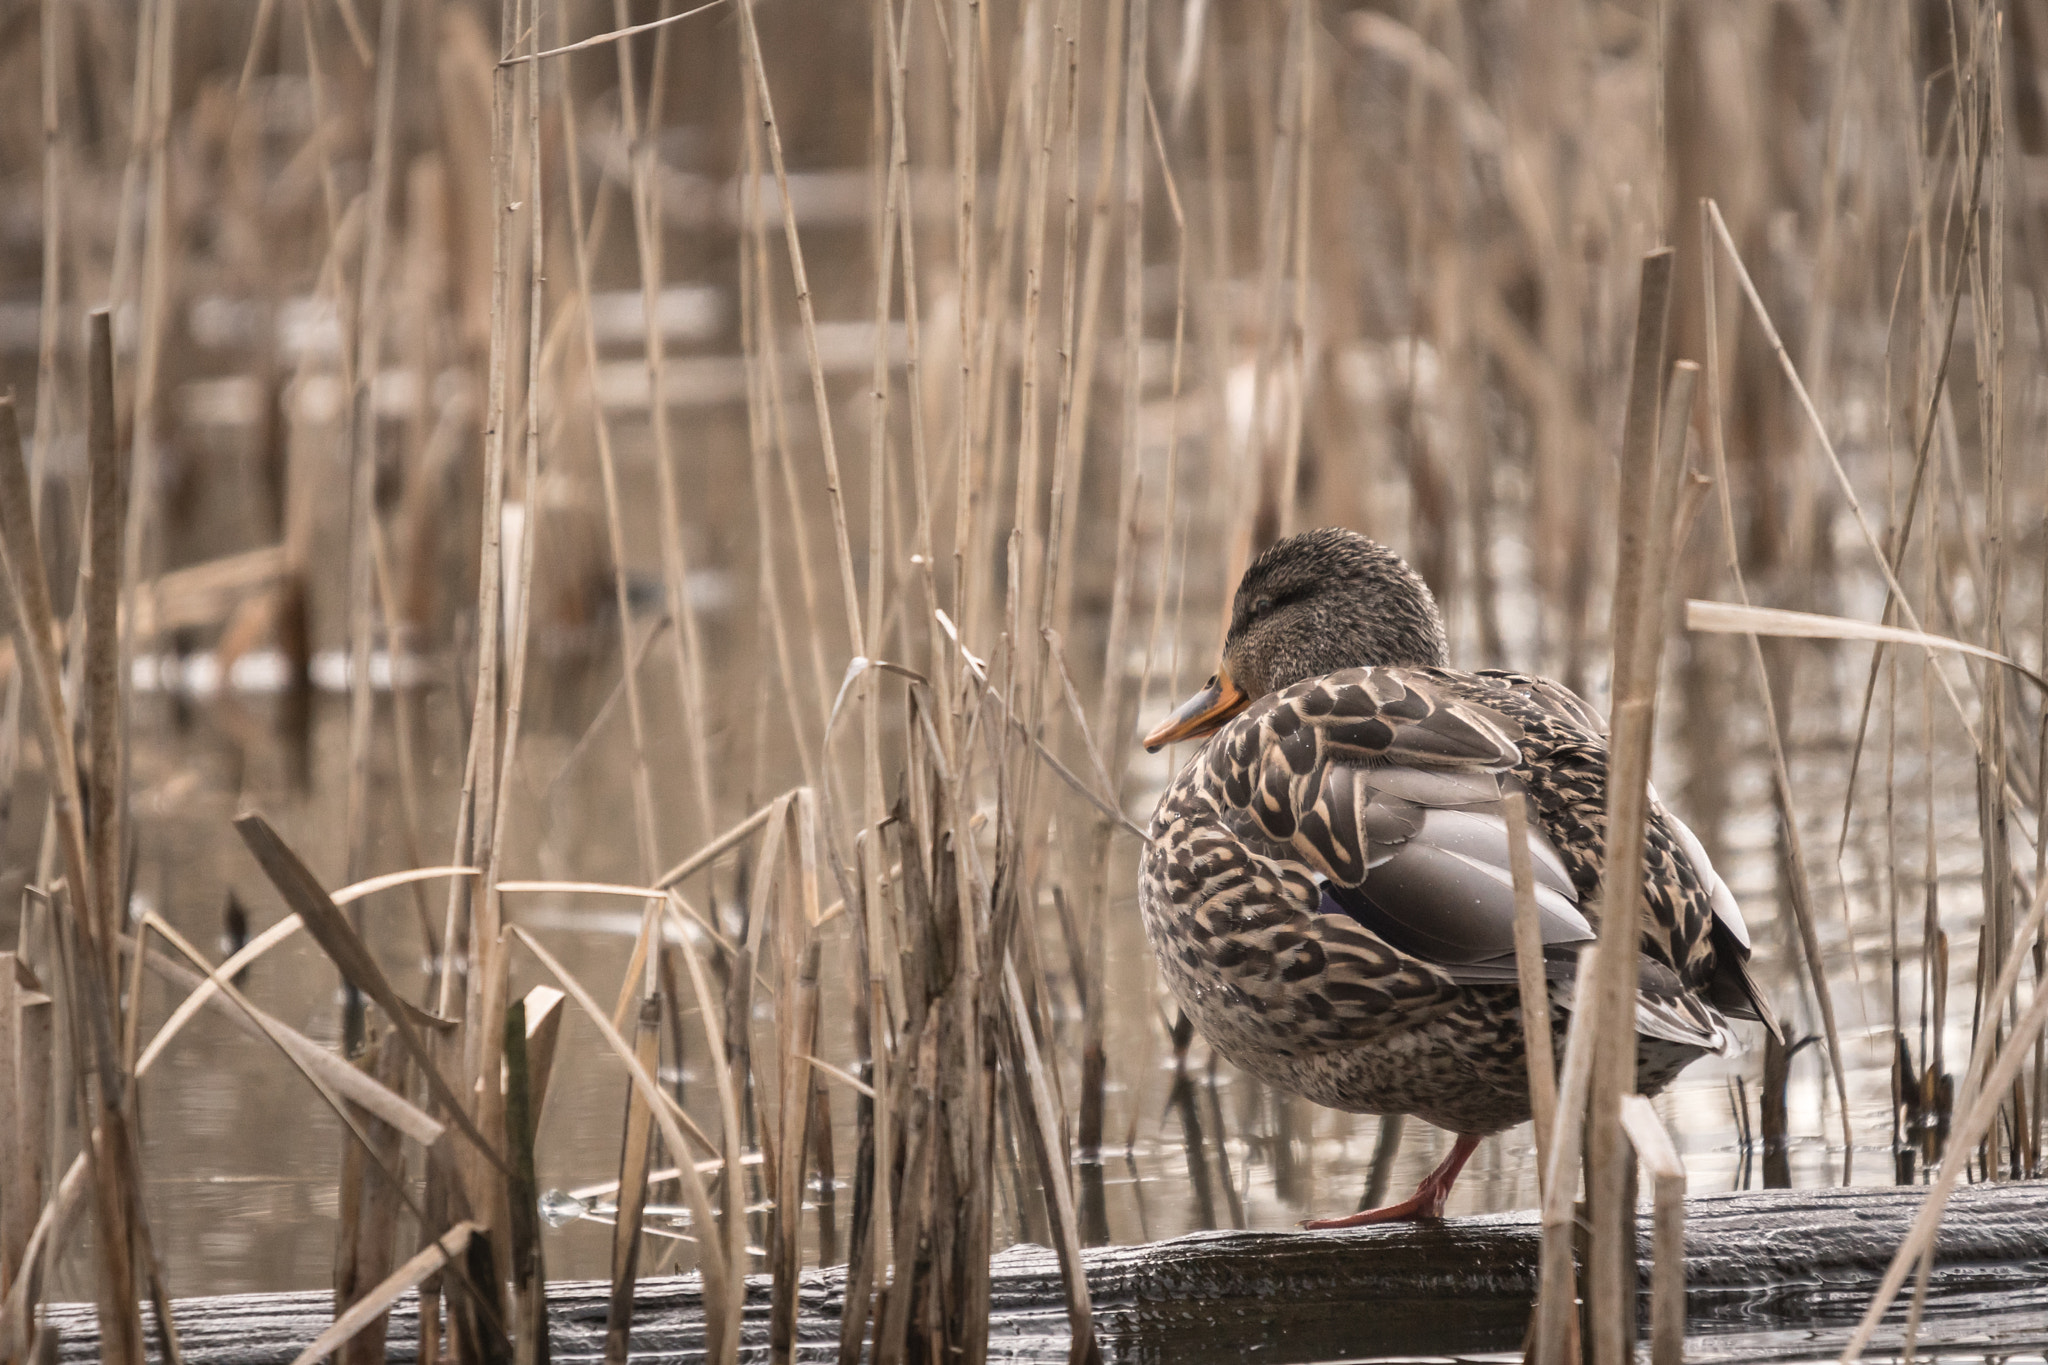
(1326,883)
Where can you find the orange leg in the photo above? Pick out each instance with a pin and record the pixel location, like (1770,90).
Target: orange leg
(1426,1202)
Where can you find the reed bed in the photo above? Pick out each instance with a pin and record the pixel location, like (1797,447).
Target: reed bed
(754,464)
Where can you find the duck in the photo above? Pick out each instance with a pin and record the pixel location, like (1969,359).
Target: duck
(1325,883)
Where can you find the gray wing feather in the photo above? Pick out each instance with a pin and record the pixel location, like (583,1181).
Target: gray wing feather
(1431,786)
(1447,896)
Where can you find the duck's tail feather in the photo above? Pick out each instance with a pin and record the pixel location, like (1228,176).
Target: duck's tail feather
(1666,1010)
(1733,990)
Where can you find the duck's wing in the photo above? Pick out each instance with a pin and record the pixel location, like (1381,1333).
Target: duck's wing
(1384,786)
(1731,987)
(1551,697)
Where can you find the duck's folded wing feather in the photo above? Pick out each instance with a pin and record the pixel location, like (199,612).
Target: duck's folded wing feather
(1559,701)
(1386,789)
(1340,770)
(1447,896)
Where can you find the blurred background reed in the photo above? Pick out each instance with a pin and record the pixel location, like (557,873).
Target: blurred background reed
(740,487)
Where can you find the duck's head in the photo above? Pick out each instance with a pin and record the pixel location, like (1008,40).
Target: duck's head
(1313,604)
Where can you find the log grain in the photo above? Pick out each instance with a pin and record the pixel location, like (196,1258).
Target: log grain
(1771,1275)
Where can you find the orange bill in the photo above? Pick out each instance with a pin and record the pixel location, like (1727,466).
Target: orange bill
(1202,714)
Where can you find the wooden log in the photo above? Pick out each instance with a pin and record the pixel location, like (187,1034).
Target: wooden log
(1768,1273)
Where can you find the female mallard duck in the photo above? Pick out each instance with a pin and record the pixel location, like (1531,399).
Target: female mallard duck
(1326,883)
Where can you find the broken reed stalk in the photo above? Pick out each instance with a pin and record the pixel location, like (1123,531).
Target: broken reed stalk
(797,958)
(634,1162)
(27,1030)
(1653,1148)
(529,1268)
(1557,1317)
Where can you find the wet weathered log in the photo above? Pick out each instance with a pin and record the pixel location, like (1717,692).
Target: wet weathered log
(1761,1265)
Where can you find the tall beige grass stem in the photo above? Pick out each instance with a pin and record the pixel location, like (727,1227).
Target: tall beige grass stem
(54,40)
(1648,462)
(686,641)
(368,331)
(91,969)
(608,477)
(1719,228)
(757,72)
(1809,938)
(1533,982)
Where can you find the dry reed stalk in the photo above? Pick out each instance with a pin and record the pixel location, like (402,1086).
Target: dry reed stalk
(403,730)
(1554,1335)
(762,341)
(1533,982)
(1979,1114)
(1066,450)
(54,42)
(486,1020)
(634,1161)
(1081,323)
(1988,288)
(1907,518)
(730,1240)
(104,795)
(1255,515)
(529,1269)
(1648,463)
(1719,228)
(647,238)
(797,1013)
(88,955)
(985,422)
(765,441)
(139,105)
(1049,1141)
(1115,666)
(890,178)
(476,825)
(896,52)
(1782,783)
(756,72)
(1026,534)
(26,1035)
(1653,1148)
(721,1322)
(480,1172)
(1170,514)
(154,305)
(966,174)
(360,438)
(443,1251)
(1296,336)
(339,940)
(366,1240)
